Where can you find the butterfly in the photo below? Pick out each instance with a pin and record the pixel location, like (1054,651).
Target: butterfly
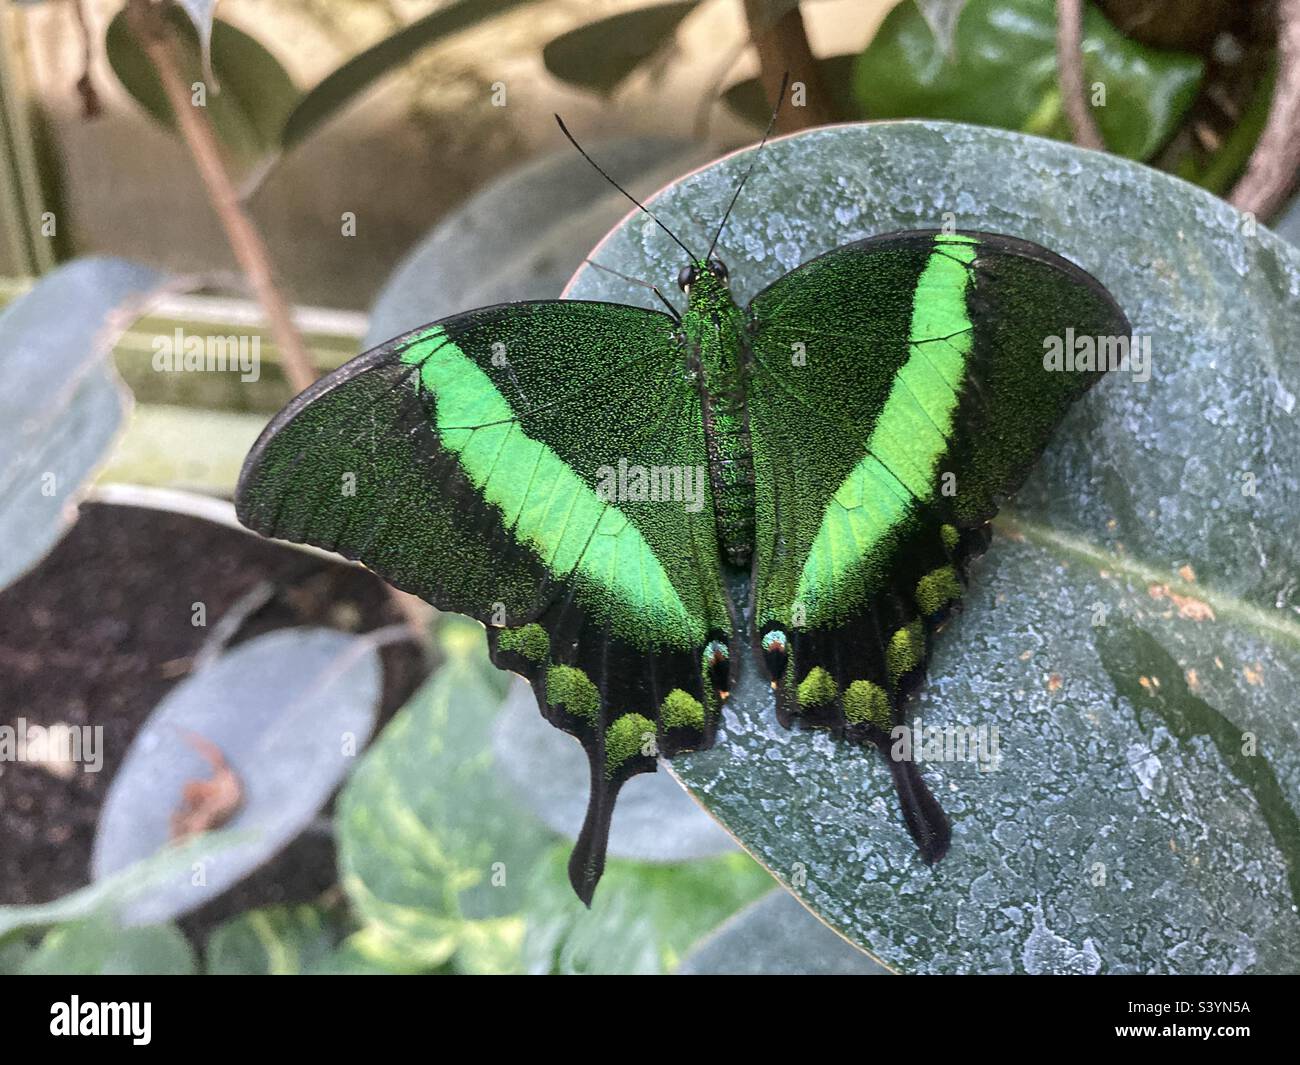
(583,477)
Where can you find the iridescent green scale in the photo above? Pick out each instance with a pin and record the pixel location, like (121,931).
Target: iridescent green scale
(854,429)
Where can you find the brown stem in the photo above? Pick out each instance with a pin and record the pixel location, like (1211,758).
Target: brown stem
(782,46)
(1069,71)
(159,43)
(1271,172)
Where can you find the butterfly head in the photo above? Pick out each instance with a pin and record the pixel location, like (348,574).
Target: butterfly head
(703,275)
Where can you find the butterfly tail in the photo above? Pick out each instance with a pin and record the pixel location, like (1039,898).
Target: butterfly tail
(587,862)
(922,813)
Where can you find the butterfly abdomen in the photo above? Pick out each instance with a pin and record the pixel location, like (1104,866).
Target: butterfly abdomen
(715,338)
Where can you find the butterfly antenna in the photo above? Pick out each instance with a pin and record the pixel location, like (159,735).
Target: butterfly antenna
(600,170)
(771,124)
(644,284)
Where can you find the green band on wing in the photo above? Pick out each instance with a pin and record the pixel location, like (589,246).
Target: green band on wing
(544,503)
(908,439)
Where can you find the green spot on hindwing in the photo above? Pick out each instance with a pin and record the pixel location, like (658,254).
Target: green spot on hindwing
(818,688)
(625,739)
(571,689)
(681,710)
(906,649)
(951,537)
(866,703)
(937,589)
(530,641)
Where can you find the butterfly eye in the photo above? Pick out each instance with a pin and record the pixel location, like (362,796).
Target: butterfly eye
(718,269)
(686,277)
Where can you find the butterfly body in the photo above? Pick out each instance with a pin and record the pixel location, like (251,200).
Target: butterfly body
(715,335)
(859,422)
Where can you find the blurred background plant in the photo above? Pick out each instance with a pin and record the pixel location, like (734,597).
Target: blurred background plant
(169,176)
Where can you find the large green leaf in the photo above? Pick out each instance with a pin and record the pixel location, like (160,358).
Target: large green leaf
(600,55)
(1137,612)
(248,95)
(1001,71)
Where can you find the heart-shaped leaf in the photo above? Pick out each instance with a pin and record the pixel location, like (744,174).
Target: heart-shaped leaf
(61,405)
(285,714)
(1135,616)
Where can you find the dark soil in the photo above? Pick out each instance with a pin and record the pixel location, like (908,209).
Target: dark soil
(101,631)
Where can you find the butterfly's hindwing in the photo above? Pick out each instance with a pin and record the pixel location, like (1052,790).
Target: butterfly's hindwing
(898,393)
(481,463)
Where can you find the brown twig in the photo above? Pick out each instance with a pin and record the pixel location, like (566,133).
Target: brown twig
(159,43)
(1069,72)
(1271,172)
(782,46)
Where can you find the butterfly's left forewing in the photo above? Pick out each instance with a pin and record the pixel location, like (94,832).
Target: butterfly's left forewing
(898,391)
(537,466)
